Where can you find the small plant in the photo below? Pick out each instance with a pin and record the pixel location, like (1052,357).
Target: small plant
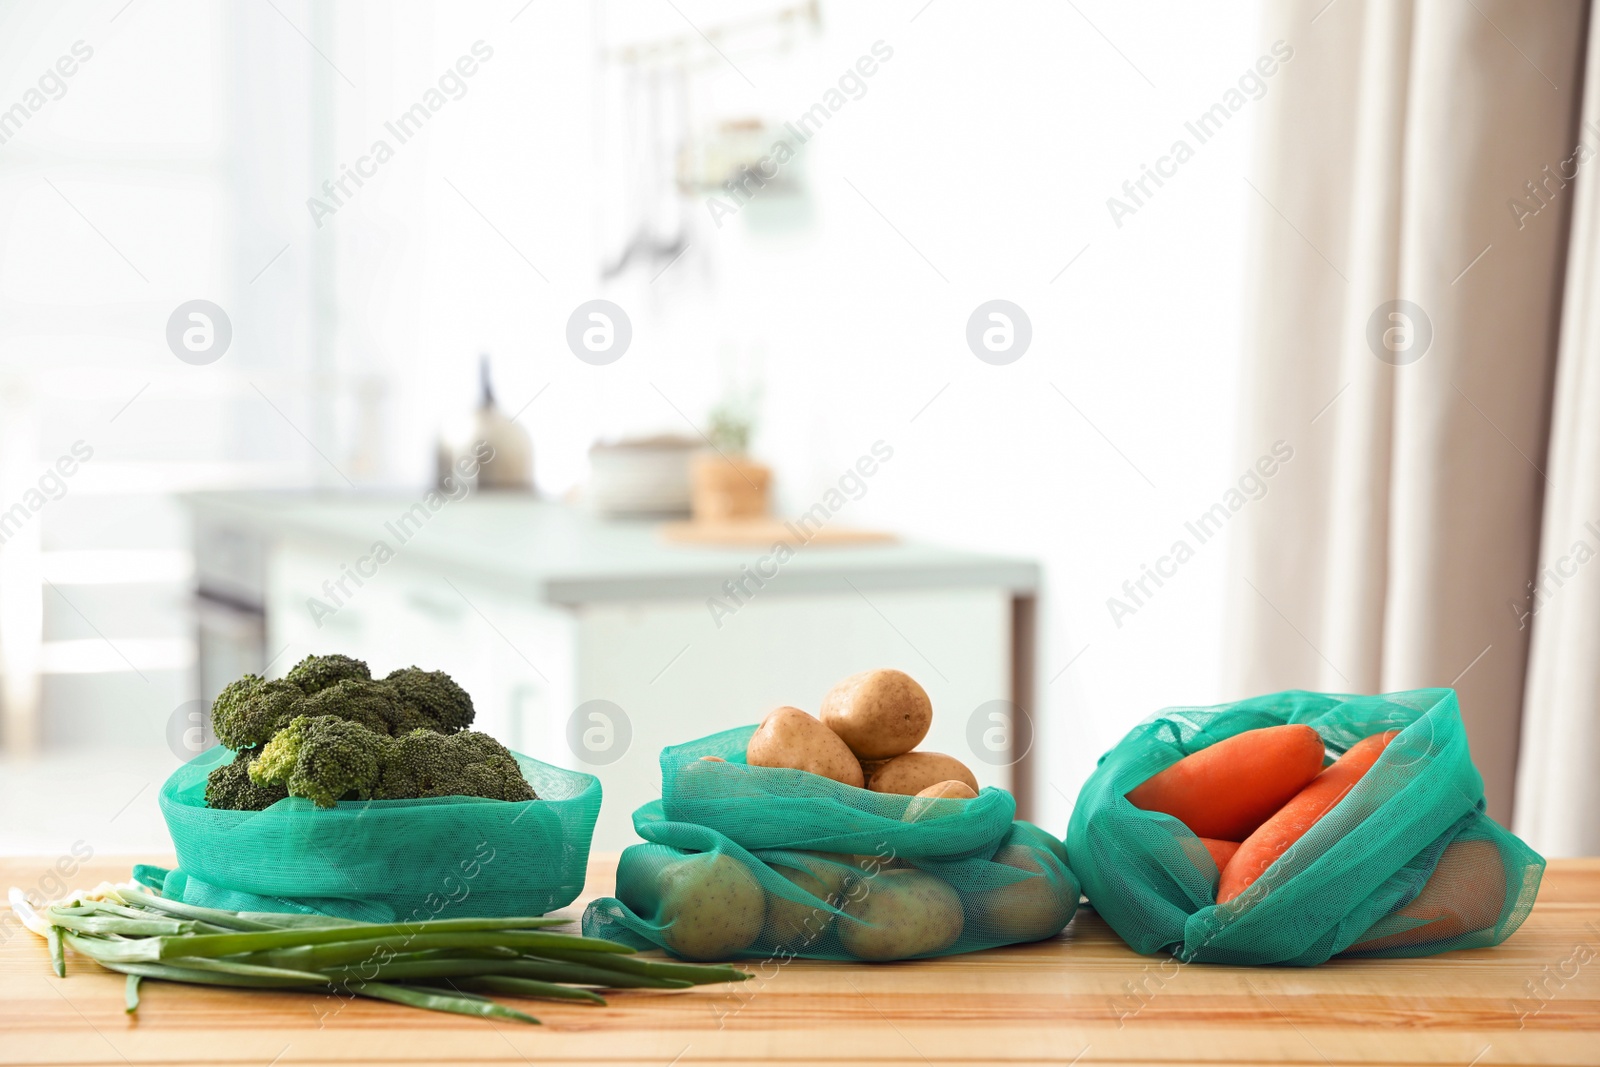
(733,421)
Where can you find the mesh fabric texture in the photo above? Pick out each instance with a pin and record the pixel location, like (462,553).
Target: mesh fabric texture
(385,860)
(746,862)
(1354,884)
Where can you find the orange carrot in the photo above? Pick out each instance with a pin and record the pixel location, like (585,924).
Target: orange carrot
(1221,851)
(1228,789)
(1262,848)
(1464,894)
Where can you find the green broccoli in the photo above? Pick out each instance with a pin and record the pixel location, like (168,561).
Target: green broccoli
(327,759)
(375,705)
(316,673)
(436,695)
(426,764)
(322,758)
(249,711)
(231,787)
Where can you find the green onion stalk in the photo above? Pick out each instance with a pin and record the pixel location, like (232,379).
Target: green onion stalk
(448,965)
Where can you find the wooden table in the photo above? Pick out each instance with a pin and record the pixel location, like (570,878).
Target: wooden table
(1080,998)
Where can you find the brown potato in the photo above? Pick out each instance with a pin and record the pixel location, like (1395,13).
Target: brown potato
(712,759)
(711,906)
(927,804)
(1030,910)
(915,771)
(794,925)
(902,913)
(949,790)
(871,864)
(788,737)
(869,767)
(878,713)
(1465,893)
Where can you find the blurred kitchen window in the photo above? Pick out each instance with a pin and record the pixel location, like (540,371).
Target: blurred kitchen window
(169,166)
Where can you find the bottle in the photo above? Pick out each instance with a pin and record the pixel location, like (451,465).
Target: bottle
(502,449)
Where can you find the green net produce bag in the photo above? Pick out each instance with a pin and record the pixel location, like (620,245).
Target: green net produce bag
(384,860)
(1357,884)
(748,862)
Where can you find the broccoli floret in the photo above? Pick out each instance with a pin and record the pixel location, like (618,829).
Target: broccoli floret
(436,695)
(328,732)
(375,705)
(249,711)
(321,758)
(326,759)
(230,786)
(316,673)
(426,764)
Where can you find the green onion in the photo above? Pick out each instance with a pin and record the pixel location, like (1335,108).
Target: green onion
(438,964)
(229,919)
(423,998)
(191,976)
(695,972)
(58,958)
(527,987)
(116,924)
(349,950)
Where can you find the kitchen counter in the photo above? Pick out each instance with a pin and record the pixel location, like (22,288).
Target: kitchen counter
(596,643)
(563,555)
(1069,1000)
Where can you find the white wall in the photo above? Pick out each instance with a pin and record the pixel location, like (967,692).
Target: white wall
(991,141)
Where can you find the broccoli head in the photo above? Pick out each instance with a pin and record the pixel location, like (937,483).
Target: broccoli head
(249,711)
(426,764)
(231,787)
(316,673)
(322,758)
(375,705)
(328,732)
(436,695)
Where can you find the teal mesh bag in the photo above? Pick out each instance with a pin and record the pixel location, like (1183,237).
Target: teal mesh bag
(745,862)
(384,860)
(1406,864)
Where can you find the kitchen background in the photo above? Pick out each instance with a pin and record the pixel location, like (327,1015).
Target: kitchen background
(205,152)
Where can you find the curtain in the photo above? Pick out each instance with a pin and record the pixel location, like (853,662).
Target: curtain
(1410,230)
(1558,790)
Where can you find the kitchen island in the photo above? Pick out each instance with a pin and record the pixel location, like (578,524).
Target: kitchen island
(595,643)
(1082,997)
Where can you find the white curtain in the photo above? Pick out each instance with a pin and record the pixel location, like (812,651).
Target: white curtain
(1558,789)
(1392,552)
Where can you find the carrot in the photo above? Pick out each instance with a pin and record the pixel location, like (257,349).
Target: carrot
(1221,851)
(1226,790)
(1464,894)
(1274,837)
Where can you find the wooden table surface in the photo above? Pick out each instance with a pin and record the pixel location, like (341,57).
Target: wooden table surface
(1083,998)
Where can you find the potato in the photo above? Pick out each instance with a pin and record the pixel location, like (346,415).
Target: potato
(949,790)
(711,906)
(1030,910)
(793,925)
(871,864)
(915,771)
(902,913)
(878,713)
(788,737)
(1465,893)
(712,759)
(869,767)
(926,804)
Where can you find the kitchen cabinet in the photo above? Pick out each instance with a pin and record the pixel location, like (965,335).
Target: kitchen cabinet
(594,644)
